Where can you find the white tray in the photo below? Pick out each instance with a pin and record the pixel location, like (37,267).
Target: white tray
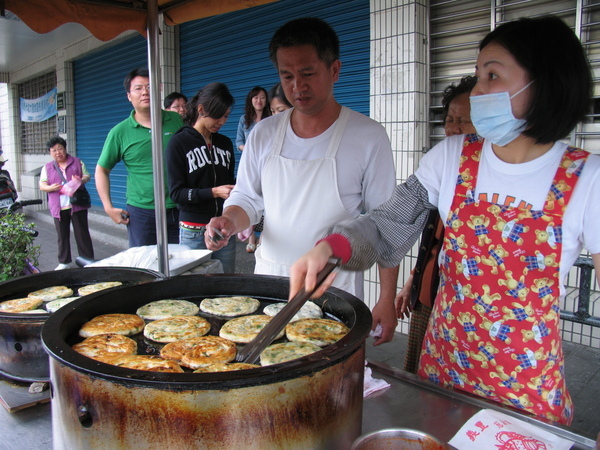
(181,258)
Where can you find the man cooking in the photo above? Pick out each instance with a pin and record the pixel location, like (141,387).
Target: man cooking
(311,166)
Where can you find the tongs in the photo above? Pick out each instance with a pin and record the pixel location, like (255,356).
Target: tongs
(252,350)
(218,236)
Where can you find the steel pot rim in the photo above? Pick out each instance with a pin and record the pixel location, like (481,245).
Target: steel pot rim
(72,276)
(399,432)
(54,339)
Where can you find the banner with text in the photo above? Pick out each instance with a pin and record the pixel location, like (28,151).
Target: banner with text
(39,109)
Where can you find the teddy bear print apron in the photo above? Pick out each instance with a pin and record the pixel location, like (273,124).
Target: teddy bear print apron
(494,330)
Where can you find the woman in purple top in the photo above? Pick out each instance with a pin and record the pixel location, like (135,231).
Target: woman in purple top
(54,175)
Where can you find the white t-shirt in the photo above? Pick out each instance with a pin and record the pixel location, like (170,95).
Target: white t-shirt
(364,164)
(503,183)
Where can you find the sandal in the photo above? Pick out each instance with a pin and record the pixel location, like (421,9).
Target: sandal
(250,248)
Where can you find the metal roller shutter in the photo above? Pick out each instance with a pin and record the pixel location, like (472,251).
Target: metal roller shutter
(233,49)
(456,27)
(101,103)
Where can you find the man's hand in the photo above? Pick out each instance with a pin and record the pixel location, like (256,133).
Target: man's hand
(303,272)
(118,215)
(217,227)
(384,314)
(233,220)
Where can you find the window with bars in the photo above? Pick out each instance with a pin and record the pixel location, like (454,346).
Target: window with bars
(34,135)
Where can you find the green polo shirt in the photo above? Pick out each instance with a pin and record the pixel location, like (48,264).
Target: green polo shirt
(131,143)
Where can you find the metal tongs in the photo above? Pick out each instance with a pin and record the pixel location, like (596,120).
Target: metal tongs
(252,350)
(218,236)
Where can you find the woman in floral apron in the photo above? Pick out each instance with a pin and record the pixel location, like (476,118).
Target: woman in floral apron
(519,206)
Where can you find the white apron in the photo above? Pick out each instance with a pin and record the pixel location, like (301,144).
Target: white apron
(307,200)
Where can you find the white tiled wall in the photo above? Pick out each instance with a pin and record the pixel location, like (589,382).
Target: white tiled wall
(399,95)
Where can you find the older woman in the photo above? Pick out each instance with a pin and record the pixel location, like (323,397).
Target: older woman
(55,174)
(416,298)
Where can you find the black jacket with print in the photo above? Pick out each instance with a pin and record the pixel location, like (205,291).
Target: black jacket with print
(193,171)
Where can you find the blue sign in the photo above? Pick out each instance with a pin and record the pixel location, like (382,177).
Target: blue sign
(39,109)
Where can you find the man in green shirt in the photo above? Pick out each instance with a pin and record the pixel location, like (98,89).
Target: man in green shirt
(131,142)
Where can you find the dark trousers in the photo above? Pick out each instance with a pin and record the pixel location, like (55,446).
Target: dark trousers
(142,226)
(81,231)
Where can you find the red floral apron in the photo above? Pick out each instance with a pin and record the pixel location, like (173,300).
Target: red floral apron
(494,330)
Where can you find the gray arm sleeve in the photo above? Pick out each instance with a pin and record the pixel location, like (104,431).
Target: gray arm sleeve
(385,234)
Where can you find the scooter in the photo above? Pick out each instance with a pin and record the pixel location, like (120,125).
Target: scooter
(8,196)
(8,192)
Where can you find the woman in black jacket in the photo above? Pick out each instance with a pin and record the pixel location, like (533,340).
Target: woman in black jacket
(200,164)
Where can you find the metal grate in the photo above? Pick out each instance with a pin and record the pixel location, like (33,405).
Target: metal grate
(457,27)
(34,135)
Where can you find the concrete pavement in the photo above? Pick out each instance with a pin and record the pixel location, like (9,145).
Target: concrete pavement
(108,239)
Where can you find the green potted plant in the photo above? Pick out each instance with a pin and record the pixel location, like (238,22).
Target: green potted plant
(16,246)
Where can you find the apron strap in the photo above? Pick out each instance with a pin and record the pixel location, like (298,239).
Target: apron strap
(334,143)
(280,132)
(338,132)
(565,179)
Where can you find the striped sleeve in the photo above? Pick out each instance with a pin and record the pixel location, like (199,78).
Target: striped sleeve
(385,234)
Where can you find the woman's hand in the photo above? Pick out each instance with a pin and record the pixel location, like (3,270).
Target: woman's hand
(303,272)
(55,187)
(45,187)
(84,179)
(222,191)
(402,301)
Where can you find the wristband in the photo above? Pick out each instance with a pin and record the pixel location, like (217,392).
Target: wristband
(340,246)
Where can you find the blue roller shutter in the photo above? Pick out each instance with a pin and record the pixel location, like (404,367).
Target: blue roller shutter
(233,49)
(101,103)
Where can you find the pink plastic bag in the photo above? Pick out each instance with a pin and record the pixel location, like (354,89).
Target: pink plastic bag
(70,188)
(243,235)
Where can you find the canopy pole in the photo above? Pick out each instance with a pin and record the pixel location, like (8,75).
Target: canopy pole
(157,150)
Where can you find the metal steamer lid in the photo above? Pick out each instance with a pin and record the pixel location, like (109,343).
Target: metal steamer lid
(60,331)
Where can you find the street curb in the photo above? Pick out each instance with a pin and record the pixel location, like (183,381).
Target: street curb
(102,228)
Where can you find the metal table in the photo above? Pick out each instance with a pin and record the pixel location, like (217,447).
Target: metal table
(413,403)
(408,403)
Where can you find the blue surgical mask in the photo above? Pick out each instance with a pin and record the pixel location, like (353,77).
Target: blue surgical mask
(493,119)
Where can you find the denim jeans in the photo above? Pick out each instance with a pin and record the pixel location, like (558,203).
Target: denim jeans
(194,239)
(142,226)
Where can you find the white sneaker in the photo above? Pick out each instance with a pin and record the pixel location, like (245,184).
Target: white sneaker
(62,266)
